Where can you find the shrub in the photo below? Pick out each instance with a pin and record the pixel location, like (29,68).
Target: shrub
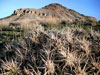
(71,50)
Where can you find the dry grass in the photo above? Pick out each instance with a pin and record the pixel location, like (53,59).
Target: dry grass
(4,24)
(69,51)
(49,19)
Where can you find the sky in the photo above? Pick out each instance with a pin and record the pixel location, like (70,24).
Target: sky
(86,7)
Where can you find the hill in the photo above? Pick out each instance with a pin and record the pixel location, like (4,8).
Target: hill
(53,11)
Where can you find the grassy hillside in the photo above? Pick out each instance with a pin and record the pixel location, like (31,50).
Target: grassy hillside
(49,49)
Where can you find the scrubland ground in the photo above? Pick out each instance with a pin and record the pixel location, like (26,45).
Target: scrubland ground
(36,50)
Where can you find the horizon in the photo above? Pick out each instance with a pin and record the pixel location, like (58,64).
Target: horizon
(86,7)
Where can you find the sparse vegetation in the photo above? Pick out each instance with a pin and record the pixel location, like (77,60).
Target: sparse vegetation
(72,50)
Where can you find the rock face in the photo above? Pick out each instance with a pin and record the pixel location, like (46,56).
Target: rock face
(52,10)
(20,12)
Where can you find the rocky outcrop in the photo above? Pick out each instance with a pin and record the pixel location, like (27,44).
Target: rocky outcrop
(22,11)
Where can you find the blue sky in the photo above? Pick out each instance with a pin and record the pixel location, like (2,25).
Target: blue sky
(86,7)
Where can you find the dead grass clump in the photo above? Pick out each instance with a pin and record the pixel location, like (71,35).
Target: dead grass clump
(84,45)
(10,67)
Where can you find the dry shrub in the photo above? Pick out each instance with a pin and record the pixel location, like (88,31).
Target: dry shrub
(55,52)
